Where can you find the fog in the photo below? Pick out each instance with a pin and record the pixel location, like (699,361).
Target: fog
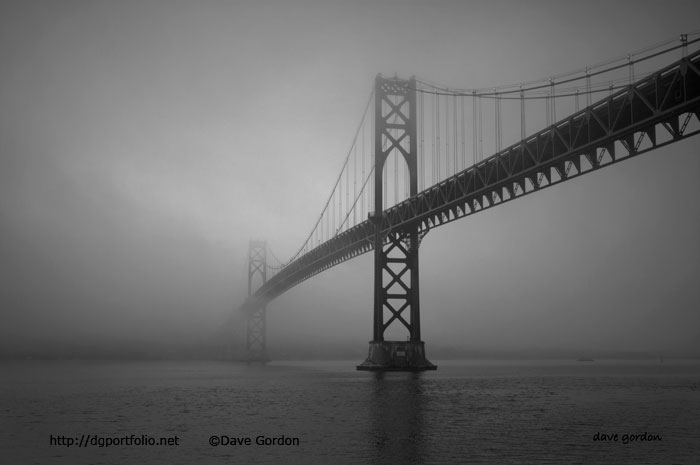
(143,144)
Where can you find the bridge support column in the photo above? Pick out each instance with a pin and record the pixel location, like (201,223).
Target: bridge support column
(256,350)
(396,289)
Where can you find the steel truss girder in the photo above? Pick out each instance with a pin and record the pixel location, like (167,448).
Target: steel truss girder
(586,141)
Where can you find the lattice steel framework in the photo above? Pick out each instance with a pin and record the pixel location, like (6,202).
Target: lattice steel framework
(256,349)
(396,263)
(651,113)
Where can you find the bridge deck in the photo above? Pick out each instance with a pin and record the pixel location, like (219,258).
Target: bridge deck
(616,128)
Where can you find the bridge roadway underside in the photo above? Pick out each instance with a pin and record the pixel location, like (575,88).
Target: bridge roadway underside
(651,113)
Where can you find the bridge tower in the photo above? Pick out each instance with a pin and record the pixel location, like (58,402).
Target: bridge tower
(396,290)
(256,350)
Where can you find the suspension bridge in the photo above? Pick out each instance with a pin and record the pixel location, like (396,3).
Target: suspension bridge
(418,161)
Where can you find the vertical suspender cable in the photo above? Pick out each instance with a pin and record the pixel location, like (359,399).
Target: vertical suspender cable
(347,191)
(523,131)
(407,180)
(497,116)
(454,132)
(362,203)
(462,135)
(631,68)
(354,185)
(370,153)
(554,103)
(447,136)
(437,124)
(481,131)
(522,114)
(432,140)
(421,157)
(385,176)
(475,140)
(396,176)
(588,88)
(340,204)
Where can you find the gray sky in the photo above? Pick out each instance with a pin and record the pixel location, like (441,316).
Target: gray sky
(142,144)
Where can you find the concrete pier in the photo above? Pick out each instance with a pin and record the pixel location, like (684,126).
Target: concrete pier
(396,356)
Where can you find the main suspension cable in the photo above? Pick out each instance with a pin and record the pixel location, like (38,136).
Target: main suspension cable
(338,179)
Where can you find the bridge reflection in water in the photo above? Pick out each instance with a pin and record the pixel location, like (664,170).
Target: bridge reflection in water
(398,418)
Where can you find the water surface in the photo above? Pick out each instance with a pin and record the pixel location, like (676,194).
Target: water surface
(468,412)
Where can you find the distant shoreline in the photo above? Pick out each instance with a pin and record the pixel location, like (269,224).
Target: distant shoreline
(493,357)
